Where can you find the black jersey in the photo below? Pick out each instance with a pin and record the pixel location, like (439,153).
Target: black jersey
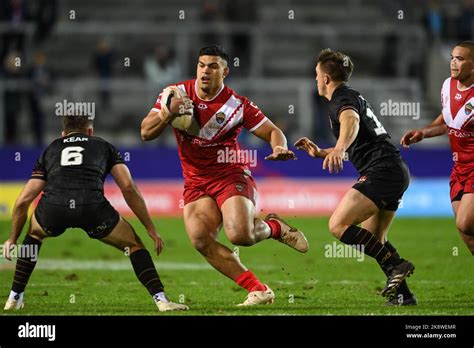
(372,143)
(75,168)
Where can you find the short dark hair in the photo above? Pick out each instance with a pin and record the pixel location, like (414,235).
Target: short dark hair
(336,64)
(214,50)
(76,123)
(467,44)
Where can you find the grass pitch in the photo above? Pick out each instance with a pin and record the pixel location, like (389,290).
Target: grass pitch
(79,276)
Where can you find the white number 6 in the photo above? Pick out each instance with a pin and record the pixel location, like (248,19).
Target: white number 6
(71,156)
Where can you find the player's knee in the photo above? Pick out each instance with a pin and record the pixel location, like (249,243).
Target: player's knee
(465,226)
(37,235)
(242,239)
(201,243)
(240,234)
(336,228)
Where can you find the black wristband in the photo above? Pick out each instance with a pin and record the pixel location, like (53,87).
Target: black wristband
(168,102)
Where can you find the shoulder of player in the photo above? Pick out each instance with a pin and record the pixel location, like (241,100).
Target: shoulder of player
(345,91)
(446,84)
(187,85)
(228,92)
(345,95)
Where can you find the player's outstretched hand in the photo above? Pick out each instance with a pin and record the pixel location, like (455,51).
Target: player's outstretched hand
(7,246)
(159,243)
(307,145)
(281,154)
(333,161)
(411,137)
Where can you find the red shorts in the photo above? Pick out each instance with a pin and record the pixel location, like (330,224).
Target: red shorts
(461,184)
(221,187)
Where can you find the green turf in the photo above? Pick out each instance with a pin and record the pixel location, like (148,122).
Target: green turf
(305,284)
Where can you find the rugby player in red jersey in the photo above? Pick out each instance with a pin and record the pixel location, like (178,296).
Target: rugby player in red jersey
(457,119)
(220,192)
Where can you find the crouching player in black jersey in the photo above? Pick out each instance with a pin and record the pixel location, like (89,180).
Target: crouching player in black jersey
(71,173)
(384,176)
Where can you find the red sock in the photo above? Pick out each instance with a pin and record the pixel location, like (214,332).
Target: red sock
(275,229)
(249,282)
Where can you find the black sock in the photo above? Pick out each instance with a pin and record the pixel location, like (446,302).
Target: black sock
(365,241)
(403,288)
(146,272)
(26,262)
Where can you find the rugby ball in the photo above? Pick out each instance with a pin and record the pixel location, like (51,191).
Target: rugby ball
(181,122)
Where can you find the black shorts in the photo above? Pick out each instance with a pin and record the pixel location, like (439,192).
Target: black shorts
(98,220)
(385,183)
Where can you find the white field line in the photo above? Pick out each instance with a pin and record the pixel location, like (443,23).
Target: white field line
(125,265)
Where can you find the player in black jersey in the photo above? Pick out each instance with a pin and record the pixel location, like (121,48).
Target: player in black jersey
(71,173)
(384,176)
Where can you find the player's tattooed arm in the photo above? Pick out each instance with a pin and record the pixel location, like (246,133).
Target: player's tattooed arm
(135,201)
(20,211)
(436,128)
(349,120)
(311,148)
(277,140)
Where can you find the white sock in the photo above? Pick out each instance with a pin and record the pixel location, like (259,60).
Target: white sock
(16,296)
(161,297)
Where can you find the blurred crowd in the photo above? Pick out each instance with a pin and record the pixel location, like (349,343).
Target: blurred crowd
(25,25)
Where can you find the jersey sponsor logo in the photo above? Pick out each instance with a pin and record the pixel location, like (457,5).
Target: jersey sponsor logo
(220,117)
(460,134)
(458,96)
(202,106)
(239,187)
(202,143)
(468,109)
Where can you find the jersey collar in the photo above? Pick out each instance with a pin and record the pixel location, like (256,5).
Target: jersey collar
(217,94)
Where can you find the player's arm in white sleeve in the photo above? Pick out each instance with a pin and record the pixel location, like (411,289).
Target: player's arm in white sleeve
(436,128)
(135,201)
(20,212)
(277,140)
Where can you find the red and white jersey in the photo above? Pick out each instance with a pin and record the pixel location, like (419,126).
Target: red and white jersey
(219,122)
(458,115)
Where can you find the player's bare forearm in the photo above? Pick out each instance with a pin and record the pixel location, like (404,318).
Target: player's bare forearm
(349,120)
(277,140)
(436,128)
(271,134)
(20,211)
(311,148)
(19,216)
(132,195)
(153,125)
(324,152)
(137,204)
